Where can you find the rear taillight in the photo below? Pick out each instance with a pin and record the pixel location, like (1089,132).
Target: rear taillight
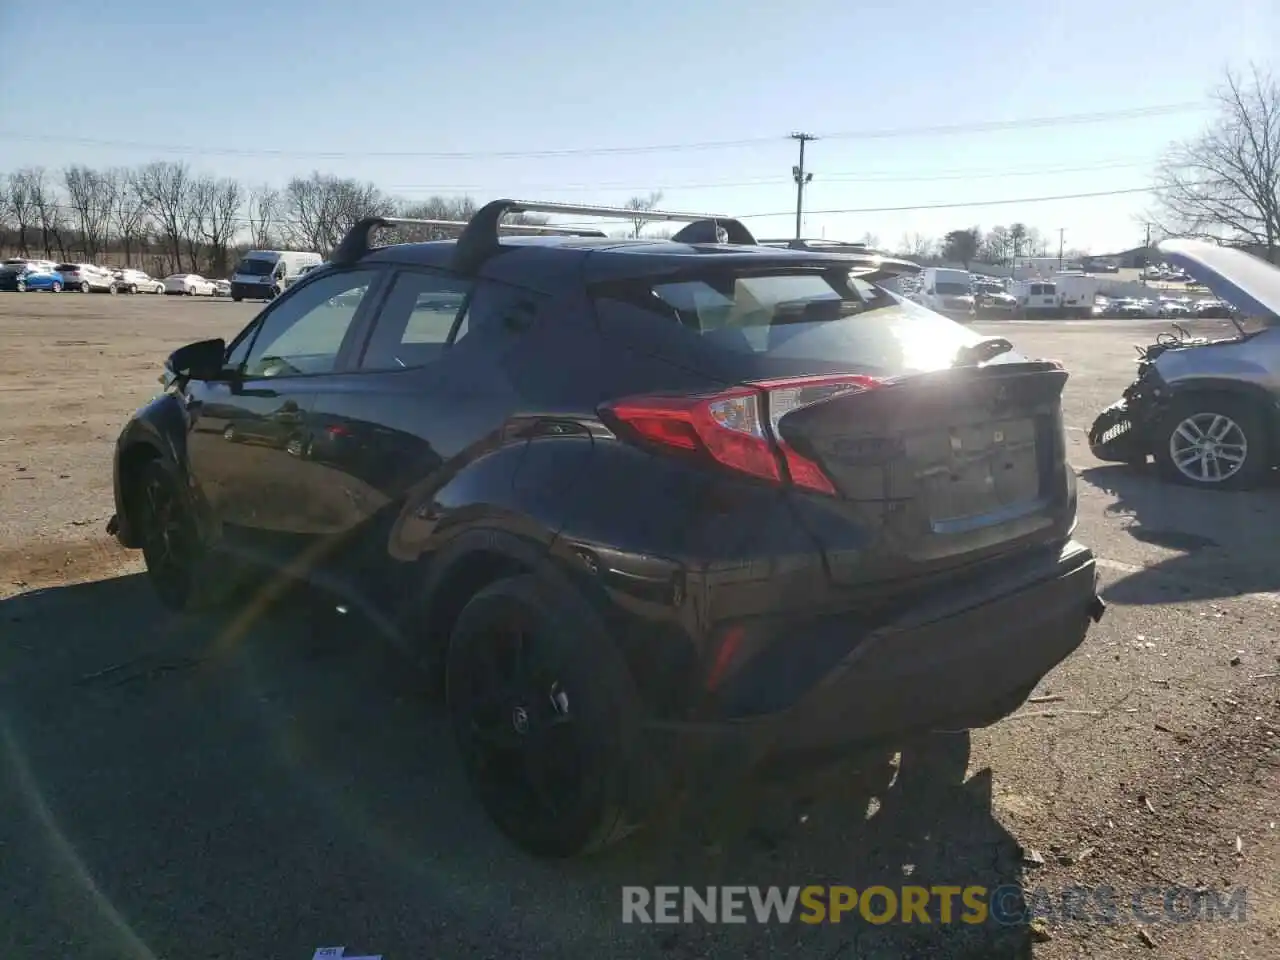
(738,428)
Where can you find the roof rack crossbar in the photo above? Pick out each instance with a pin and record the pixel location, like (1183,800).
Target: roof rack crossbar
(356,242)
(479,240)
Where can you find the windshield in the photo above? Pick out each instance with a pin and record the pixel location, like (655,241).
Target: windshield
(951,289)
(255,268)
(785,324)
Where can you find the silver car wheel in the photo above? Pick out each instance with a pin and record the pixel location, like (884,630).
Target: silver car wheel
(1208,447)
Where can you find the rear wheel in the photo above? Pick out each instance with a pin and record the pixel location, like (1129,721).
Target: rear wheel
(1217,441)
(544,717)
(159,289)
(21,286)
(133,288)
(56,287)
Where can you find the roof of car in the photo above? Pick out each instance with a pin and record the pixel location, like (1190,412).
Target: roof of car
(547,256)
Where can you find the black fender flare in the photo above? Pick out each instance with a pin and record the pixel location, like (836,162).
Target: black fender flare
(157,431)
(439,598)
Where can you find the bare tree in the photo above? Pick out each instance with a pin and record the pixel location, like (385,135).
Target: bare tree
(49,212)
(22,205)
(91,198)
(216,208)
(996,245)
(1225,183)
(641,204)
(165,187)
(322,207)
(1018,234)
(127,211)
(916,246)
(263,211)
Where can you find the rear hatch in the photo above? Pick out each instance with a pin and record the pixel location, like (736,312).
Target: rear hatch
(937,468)
(906,445)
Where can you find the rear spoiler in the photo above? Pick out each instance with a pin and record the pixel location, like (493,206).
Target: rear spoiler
(869,264)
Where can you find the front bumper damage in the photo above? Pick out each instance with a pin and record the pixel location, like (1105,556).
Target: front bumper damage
(1122,433)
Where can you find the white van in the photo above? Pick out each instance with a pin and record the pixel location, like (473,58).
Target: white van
(1035,296)
(264,274)
(947,291)
(1077,293)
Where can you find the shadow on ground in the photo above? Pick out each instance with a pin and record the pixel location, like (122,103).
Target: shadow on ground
(1223,544)
(183,787)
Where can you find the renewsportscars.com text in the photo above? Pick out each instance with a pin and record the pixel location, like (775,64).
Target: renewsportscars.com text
(1007,905)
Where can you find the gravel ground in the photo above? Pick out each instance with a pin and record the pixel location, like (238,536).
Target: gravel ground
(268,784)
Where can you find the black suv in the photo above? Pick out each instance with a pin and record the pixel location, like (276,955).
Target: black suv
(652,511)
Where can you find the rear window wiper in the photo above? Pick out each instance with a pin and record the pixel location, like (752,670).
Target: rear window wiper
(981,352)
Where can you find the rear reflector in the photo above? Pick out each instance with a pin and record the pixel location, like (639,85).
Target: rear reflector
(738,428)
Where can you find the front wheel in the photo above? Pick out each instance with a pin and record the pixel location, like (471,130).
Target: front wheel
(1216,441)
(543,715)
(21,286)
(84,287)
(56,287)
(159,289)
(133,288)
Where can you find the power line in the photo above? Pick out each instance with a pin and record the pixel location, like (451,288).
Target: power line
(783,213)
(847,176)
(893,133)
(955,206)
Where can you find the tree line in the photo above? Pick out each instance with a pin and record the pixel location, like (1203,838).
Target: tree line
(167,218)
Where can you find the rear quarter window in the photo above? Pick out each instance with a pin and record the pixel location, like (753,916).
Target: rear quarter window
(739,326)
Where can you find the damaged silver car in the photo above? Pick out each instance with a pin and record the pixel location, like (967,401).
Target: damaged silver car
(1207,410)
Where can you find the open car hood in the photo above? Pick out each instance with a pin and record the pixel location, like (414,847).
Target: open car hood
(1246,282)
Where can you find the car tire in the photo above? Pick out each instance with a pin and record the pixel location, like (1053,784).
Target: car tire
(113,289)
(84,287)
(133,289)
(179,565)
(55,287)
(21,286)
(189,292)
(236,299)
(159,290)
(544,715)
(1245,433)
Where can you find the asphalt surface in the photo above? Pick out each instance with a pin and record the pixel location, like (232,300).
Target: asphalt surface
(274,781)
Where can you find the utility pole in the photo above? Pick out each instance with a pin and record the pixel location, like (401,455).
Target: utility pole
(1061,241)
(801,178)
(1146,256)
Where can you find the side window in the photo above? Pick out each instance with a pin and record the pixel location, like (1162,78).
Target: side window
(238,353)
(497,310)
(303,334)
(413,326)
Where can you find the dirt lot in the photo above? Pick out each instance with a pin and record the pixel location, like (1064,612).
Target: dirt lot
(268,784)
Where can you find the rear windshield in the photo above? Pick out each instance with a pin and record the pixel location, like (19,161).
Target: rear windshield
(746,326)
(256,268)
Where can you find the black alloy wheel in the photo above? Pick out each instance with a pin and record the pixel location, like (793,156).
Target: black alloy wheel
(170,540)
(539,734)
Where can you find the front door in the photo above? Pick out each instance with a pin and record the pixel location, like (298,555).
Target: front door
(248,438)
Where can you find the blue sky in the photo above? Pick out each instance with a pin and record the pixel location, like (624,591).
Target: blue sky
(262,91)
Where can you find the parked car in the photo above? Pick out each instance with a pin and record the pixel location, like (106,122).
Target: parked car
(86,278)
(222,288)
(1207,410)
(650,511)
(31,275)
(189,285)
(138,281)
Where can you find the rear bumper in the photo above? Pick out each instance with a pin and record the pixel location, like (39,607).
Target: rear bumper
(965,661)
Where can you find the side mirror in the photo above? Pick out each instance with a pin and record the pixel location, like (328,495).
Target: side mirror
(201,360)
